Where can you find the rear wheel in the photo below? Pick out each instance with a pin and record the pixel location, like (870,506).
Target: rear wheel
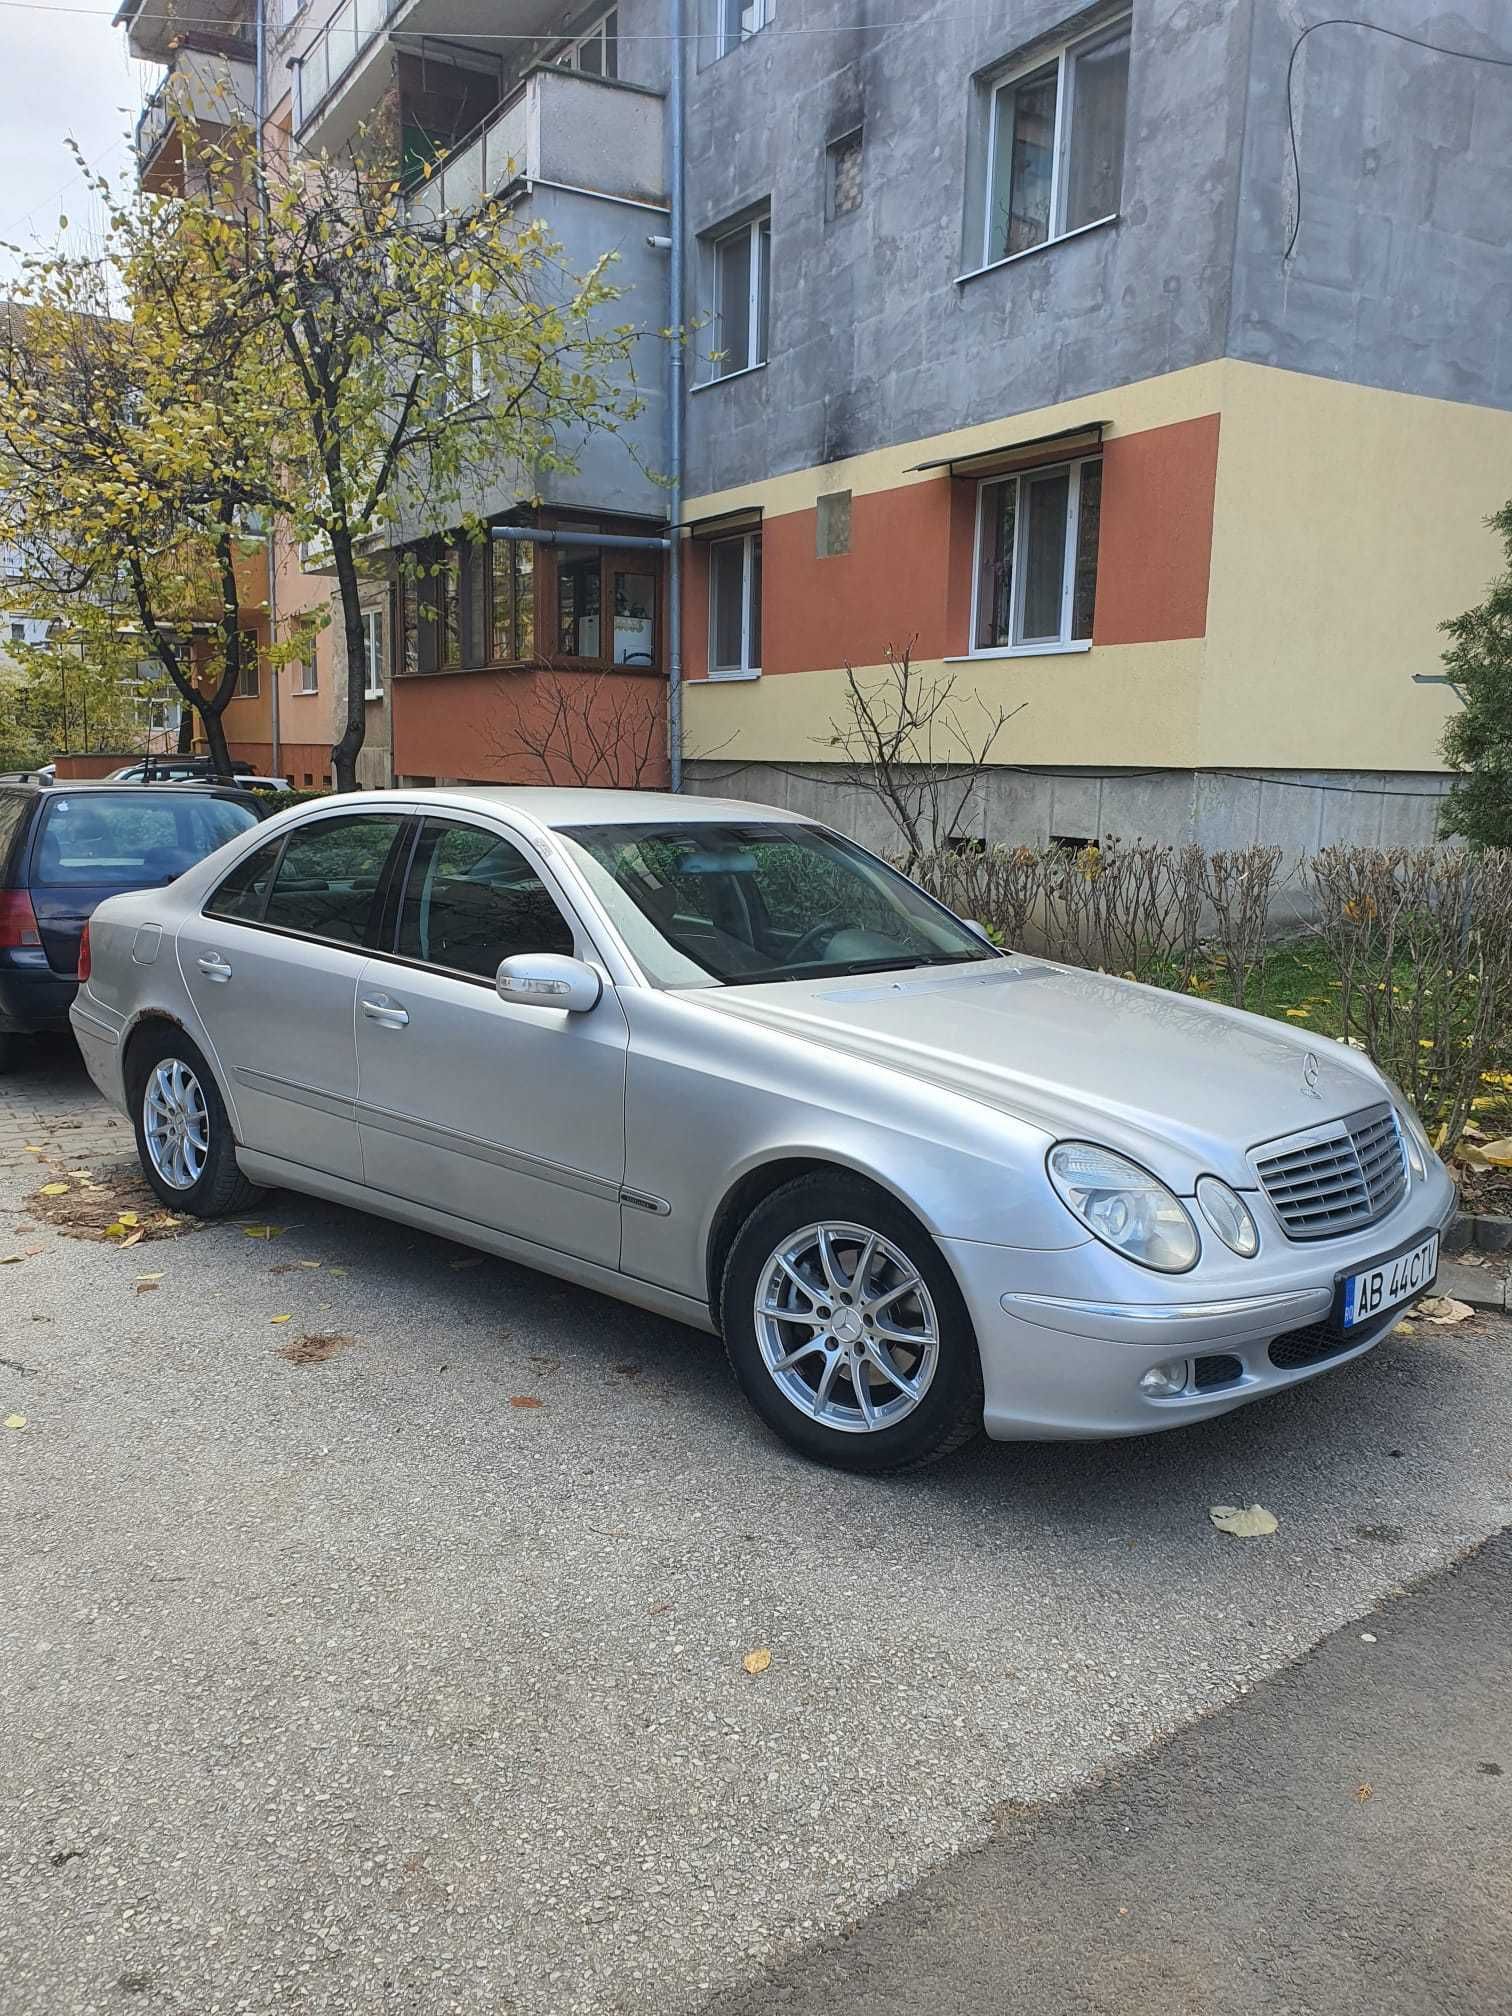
(846,1329)
(183,1131)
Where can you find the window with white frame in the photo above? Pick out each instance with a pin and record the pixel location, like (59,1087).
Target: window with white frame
(595,53)
(372,652)
(735,607)
(1055,144)
(740,273)
(736,21)
(305,677)
(1036,558)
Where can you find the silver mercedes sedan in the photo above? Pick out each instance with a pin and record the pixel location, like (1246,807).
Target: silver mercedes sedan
(718,1061)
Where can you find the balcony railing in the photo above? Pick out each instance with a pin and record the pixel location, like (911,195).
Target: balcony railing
(492,156)
(320,69)
(211,80)
(156,122)
(559,126)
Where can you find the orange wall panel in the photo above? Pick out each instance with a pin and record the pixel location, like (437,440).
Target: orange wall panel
(1156,539)
(471,725)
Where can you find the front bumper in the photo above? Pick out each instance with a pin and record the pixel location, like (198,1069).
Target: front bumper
(1065,1337)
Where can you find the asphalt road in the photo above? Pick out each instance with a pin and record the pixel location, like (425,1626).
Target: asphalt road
(1337,1844)
(355,1686)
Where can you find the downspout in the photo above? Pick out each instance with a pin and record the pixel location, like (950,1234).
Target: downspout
(259,120)
(676,15)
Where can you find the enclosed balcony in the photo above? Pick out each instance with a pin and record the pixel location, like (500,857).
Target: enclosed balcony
(559,127)
(211,84)
(344,70)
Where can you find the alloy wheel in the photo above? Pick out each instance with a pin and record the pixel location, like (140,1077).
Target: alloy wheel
(846,1327)
(176,1123)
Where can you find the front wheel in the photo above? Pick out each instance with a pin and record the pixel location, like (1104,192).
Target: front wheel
(846,1329)
(183,1131)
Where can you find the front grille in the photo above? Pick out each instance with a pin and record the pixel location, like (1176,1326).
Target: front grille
(1219,1369)
(1335,1179)
(1310,1346)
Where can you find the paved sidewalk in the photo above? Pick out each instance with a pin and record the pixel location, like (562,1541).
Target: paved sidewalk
(49,1102)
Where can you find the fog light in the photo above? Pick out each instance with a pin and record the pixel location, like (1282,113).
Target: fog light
(1161,1381)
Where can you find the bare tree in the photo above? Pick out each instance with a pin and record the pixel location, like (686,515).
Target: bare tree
(922,755)
(607,728)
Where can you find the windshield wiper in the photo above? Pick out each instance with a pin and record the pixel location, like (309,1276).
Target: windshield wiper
(845,969)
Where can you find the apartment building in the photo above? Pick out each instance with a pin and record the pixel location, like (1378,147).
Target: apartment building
(999,349)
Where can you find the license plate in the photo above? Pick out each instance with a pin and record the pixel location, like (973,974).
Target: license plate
(1374,1290)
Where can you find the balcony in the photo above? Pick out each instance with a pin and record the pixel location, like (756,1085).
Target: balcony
(558,126)
(342,73)
(155,28)
(212,83)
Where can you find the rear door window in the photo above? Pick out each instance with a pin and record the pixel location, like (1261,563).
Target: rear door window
(130,842)
(327,884)
(472,899)
(245,890)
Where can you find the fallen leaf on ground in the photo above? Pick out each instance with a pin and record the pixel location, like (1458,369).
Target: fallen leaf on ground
(525,1400)
(758,1661)
(12,1259)
(309,1263)
(476,1260)
(53,1190)
(1499,1153)
(280,1319)
(315,1347)
(15,1420)
(336,1270)
(627,1370)
(1442,1309)
(1245,1522)
(263,1231)
(1363,1793)
(1406,1328)
(146,1283)
(32,1148)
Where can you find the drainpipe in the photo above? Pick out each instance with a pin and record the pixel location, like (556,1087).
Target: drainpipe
(259,121)
(676,16)
(528,535)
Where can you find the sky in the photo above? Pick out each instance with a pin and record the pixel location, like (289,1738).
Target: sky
(61,74)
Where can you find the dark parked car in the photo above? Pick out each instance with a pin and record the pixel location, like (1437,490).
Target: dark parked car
(64,847)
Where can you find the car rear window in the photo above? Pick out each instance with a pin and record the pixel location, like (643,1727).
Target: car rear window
(109,842)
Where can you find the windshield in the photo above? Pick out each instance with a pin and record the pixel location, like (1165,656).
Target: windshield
(131,841)
(743,901)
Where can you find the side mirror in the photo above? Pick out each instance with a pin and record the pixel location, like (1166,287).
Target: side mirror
(548,980)
(980,929)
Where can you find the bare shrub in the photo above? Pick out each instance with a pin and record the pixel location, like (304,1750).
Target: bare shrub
(1238,885)
(606,729)
(1422,940)
(908,743)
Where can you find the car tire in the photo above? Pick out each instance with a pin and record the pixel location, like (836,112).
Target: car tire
(204,1180)
(893,1401)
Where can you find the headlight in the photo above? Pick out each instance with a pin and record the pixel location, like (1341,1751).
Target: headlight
(1124,1206)
(1228,1214)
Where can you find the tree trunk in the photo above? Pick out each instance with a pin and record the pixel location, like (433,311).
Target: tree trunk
(215,736)
(344,753)
(185,730)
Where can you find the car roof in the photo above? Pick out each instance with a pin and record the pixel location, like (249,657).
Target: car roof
(555,806)
(73,787)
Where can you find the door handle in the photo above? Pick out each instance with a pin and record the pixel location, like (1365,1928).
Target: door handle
(387,1014)
(213,966)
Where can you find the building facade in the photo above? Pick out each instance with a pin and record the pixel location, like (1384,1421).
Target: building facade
(1016,337)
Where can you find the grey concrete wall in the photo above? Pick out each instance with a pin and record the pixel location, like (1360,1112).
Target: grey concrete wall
(1402,272)
(1298,810)
(872,340)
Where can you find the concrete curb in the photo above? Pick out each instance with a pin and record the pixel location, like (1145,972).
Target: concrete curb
(1485,1232)
(1476,1285)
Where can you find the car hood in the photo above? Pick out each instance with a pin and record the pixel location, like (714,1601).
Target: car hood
(1182,1085)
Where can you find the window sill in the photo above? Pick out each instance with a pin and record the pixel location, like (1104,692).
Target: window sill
(727,678)
(1056,650)
(745,371)
(1030,251)
(305,693)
